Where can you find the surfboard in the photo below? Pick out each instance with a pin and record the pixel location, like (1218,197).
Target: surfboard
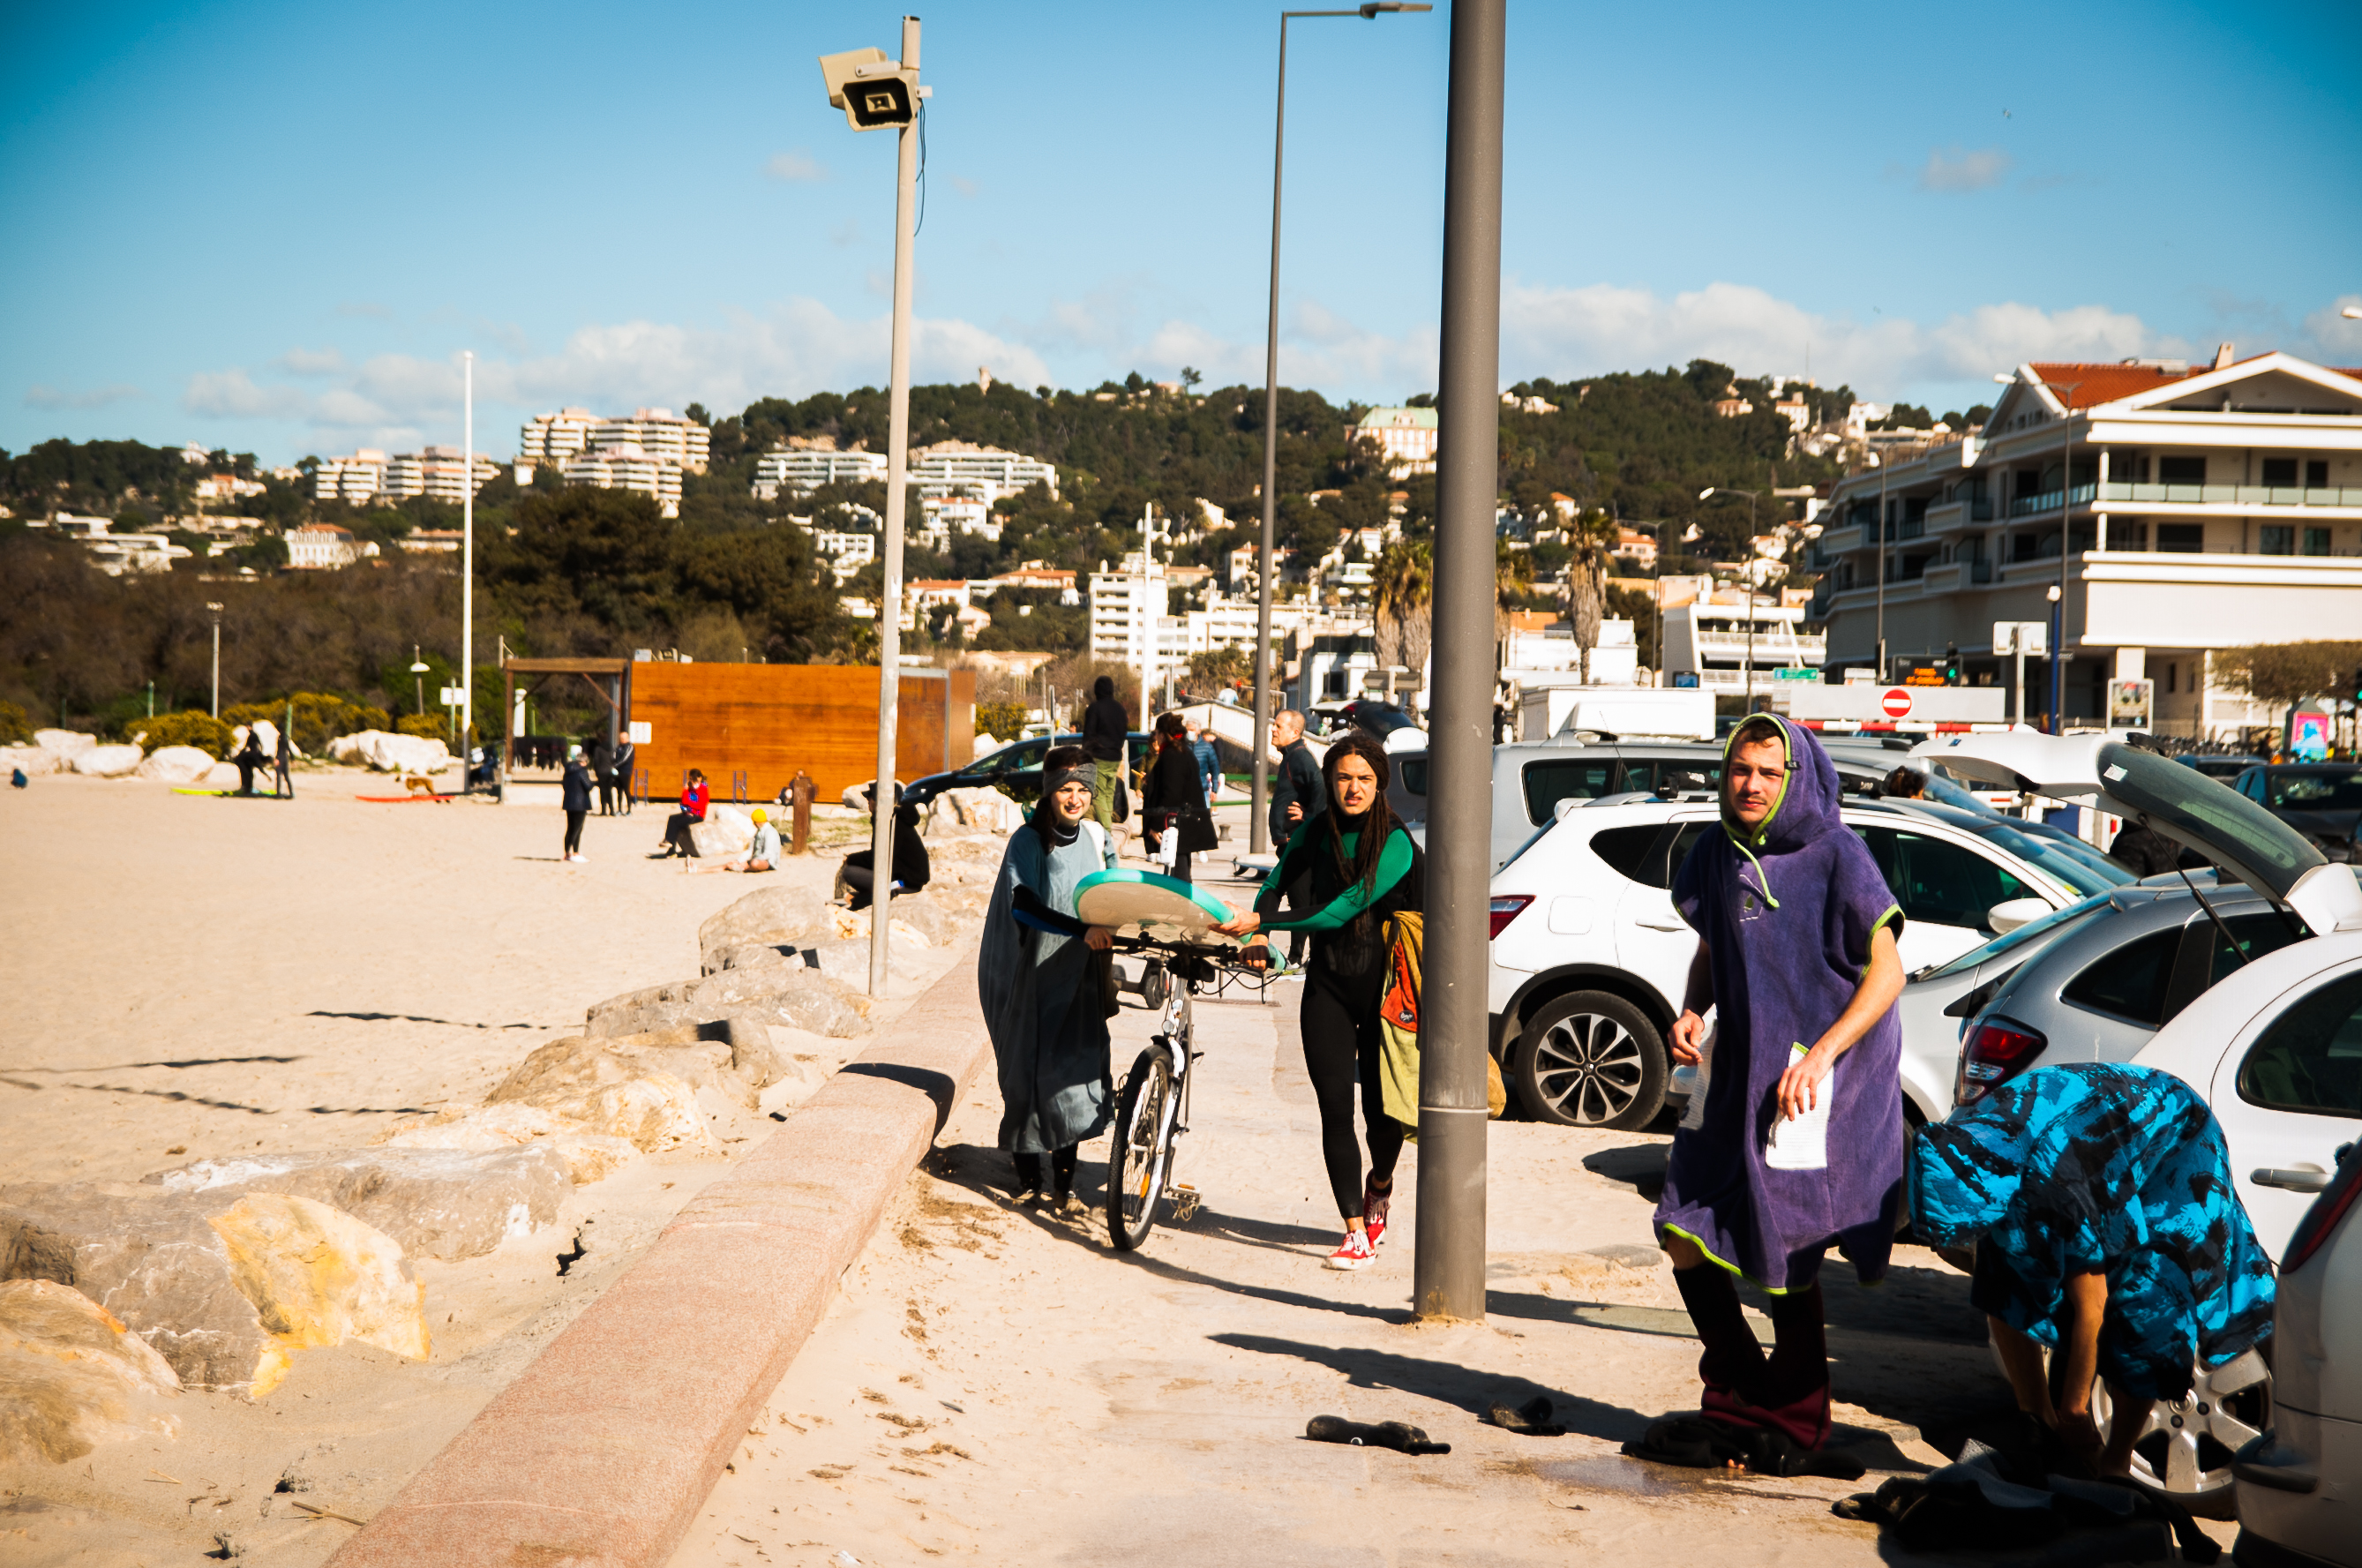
(227,794)
(1155,904)
(401,800)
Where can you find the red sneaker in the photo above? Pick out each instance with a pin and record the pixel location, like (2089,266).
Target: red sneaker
(1374,1211)
(1353,1252)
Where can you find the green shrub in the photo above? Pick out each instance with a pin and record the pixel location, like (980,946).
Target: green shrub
(320,717)
(432,726)
(1001,720)
(14,728)
(202,731)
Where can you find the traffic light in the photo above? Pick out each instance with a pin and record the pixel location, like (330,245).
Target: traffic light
(1951,664)
(2354,685)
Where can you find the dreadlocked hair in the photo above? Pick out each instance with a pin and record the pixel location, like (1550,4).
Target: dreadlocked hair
(1374,826)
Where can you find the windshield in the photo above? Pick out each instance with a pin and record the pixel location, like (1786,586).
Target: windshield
(2075,865)
(2324,789)
(2206,815)
(2057,923)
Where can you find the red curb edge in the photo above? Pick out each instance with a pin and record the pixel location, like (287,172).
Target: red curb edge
(602,1452)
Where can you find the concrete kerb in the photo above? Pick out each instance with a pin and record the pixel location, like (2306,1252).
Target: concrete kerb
(604,1449)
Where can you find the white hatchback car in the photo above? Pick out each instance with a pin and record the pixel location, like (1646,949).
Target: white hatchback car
(1589,956)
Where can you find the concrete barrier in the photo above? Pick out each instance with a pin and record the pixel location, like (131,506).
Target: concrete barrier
(604,1449)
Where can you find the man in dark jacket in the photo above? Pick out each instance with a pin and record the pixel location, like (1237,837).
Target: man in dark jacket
(1105,731)
(911,870)
(574,795)
(1296,792)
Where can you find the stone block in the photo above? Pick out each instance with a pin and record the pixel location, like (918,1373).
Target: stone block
(435,1203)
(587,1157)
(176,764)
(107,761)
(34,761)
(565,1069)
(767,915)
(318,1276)
(72,1376)
(391,752)
(67,744)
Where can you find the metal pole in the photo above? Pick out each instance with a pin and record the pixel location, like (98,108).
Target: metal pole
(1746,700)
(1448,1274)
(468,568)
(1883,675)
(2066,539)
(889,598)
(217,663)
(1259,802)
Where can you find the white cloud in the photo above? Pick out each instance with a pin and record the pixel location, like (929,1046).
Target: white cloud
(796,167)
(2334,336)
(98,397)
(311,361)
(1951,169)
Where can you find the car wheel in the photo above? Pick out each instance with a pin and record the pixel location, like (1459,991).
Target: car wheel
(1592,1059)
(2185,1447)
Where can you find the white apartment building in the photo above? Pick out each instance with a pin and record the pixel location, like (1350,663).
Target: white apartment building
(2204,508)
(438,472)
(1405,438)
(984,473)
(1719,637)
(226,487)
(658,432)
(1130,622)
(626,466)
(322,547)
(802,470)
(354,479)
(554,437)
(960,514)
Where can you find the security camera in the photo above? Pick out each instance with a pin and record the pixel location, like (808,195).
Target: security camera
(875,92)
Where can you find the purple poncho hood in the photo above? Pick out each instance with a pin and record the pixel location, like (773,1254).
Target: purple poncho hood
(1787,912)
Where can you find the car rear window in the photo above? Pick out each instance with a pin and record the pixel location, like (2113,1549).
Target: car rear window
(1552,780)
(1669,777)
(2309,1060)
(2130,982)
(1626,849)
(2338,790)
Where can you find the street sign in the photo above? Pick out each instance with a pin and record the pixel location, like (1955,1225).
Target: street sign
(1925,675)
(2021,636)
(1685,679)
(1799,673)
(453,696)
(641,731)
(1896,703)
(2130,703)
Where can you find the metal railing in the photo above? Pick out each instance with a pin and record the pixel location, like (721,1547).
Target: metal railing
(2027,505)
(2223,495)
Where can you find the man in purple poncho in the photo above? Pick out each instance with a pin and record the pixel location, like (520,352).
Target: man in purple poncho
(1796,951)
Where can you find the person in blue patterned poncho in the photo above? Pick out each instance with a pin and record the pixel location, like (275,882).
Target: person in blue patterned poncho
(2099,1199)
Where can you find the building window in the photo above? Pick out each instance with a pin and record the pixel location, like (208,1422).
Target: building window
(2316,477)
(2182,538)
(2316,541)
(2279,473)
(2181,470)
(2276,539)
(2128,533)
(2172,678)
(2128,467)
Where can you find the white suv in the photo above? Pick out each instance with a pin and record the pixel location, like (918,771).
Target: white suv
(1589,956)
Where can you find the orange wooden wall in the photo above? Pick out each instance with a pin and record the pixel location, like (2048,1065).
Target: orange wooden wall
(771,719)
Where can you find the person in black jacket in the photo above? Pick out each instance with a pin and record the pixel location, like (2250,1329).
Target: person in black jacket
(602,768)
(1360,866)
(1173,799)
(1105,732)
(1296,793)
(911,871)
(283,758)
(575,795)
(249,756)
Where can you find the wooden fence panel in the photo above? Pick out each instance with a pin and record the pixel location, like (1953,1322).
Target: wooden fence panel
(768,720)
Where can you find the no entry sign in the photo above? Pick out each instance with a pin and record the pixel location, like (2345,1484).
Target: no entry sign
(1897,703)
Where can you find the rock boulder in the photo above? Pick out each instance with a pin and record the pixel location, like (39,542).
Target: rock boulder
(391,752)
(435,1203)
(565,1069)
(36,761)
(176,764)
(72,1376)
(767,915)
(587,1157)
(107,761)
(984,811)
(318,1276)
(67,744)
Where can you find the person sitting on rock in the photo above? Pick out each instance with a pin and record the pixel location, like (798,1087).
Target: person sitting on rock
(678,839)
(762,854)
(911,871)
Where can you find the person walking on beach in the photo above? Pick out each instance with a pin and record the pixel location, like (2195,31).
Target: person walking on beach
(678,839)
(249,756)
(1798,1148)
(1358,866)
(284,787)
(1297,794)
(1173,799)
(1106,731)
(626,758)
(575,795)
(602,768)
(1209,762)
(1037,975)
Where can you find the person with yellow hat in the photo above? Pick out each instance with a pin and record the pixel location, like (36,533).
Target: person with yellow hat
(762,853)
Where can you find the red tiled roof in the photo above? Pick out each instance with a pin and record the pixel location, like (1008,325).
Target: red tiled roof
(2106,383)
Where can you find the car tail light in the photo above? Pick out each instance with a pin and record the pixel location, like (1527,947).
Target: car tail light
(1996,1050)
(1506,908)
(2320,1221)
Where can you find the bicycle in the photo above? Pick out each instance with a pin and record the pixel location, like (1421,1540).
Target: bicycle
(1153,1107)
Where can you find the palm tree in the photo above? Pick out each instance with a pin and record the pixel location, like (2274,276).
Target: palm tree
(1592,536)
(1512,578)
(1402,593)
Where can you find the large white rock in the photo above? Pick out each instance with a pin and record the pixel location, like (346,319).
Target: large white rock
(64,743)
(72,1376)
(221,775)
(391,752)
(176,764)
(588,1156)
(776,915)
(36,761)
(436,1203)
(107,761)
(983,810)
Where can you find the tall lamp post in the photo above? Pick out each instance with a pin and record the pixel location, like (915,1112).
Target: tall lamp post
(418,678)
(2057,595)
(215,611)
(1747,570)
(1259,838)
(878,94)
(467,571)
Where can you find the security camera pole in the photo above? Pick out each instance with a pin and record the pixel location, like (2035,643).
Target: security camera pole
(875,95)
(1448,1274)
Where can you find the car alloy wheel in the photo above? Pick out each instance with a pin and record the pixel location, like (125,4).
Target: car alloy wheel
(2185,1448)
(1592,1060)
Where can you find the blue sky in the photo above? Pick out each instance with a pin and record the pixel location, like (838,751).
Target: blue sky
(274,227)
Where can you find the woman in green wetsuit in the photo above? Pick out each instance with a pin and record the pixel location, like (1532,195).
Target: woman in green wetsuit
(1359,866)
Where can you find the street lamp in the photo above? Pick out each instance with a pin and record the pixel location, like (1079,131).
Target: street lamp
(2066,538)
(215,611)
(880,95)
(1258,834)
(1747,570)
(418,677)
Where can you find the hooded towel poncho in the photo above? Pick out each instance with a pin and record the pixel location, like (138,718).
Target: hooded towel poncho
(1788,912)
(1041,1001)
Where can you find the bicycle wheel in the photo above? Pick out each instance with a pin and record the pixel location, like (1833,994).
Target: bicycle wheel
(1137,1151)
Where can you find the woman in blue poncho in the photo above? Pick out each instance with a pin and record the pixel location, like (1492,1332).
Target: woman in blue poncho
(1043,1001)
(2099,1199)
(1798,1146)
